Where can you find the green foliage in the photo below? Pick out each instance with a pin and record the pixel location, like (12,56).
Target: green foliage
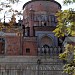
(1,26)
(66,23)
(68,1)
(69,69)
(66,26)
(7,4)
(69,56)
(13,1)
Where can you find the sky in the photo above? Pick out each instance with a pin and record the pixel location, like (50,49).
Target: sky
(22,2)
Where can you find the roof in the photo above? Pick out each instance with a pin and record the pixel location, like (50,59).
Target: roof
(69,39)
(40,0)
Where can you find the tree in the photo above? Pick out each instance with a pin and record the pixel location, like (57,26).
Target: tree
(66,27)
(7,4)
(68,1)
(69,56)
(66,23)
(12,1)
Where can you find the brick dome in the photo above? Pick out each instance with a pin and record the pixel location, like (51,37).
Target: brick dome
(41,0)
(40,13)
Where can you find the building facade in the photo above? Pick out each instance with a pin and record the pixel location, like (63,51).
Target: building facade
(34,49)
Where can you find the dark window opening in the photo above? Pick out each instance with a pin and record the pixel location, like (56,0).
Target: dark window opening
(45,46)
(53,20)
(2,46)
(27,50)
(44,23)
(60,42)
(27,31)
(45,50)
(33,31)
(23,27)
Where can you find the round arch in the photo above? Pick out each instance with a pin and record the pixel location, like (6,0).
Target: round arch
(46,41)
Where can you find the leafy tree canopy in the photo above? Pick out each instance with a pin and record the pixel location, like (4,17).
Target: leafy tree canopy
(66,26)
(69,56)
(7,4)
(12,1)
(66,23)
(68,1)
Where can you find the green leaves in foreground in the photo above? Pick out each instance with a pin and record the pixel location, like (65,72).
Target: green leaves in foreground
(68,1)
(69,69)
(69,56)
(66,26)
(66,23)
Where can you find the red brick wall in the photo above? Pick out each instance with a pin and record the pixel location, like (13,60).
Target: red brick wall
(12,45)
(39,6)
(32,46)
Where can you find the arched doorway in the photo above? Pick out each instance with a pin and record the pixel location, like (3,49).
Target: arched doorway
(46,41)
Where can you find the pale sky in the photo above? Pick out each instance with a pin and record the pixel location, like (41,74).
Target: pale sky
(59,1)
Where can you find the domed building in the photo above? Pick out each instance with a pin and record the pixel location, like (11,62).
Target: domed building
(35,51)
(39,20)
